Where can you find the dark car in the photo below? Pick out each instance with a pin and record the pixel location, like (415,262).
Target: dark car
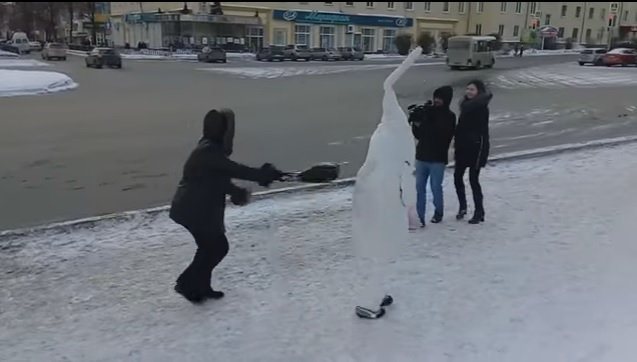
(100,57)
(212,54)
(271,53)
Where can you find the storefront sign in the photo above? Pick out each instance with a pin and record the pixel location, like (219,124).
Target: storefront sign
(222,19)
(319,17)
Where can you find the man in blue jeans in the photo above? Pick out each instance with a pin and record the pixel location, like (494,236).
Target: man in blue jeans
(433,124)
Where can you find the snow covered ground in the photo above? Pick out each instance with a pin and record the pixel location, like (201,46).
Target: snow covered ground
(565,75)
(21,63)
(548,277)
(20,82)
(5,54)
(273,72)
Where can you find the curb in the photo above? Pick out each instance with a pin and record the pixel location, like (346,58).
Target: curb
(69,226)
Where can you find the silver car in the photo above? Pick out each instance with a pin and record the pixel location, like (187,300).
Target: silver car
(591,56)
(54,50)
(212,54)
(352,53)
(296,52)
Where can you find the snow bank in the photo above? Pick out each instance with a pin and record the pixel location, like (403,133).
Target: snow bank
(548,277)
(10,55)
(21,63)
(19,82)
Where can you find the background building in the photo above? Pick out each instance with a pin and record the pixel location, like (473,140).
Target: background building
(370,25)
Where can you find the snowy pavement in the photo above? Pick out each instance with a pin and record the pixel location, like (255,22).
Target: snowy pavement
(21,63)
(21,83)
(547,278)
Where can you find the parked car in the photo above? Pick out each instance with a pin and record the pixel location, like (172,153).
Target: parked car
(100,57)
(333,54)
(318,53)
(620,56)
(35,46)
(54,50)
(271,53)
(212,54)
(296,52)
(352,53)
(21,42)
(591,56)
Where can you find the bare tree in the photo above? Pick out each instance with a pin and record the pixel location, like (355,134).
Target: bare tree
(90,13)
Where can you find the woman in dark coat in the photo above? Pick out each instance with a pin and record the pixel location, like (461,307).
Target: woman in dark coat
(472,146)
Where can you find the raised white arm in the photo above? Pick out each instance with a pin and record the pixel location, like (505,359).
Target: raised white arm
(402,68)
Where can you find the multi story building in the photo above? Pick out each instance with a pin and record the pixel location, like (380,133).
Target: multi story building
(370,25)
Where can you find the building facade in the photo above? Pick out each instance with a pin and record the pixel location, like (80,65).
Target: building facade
(369,25)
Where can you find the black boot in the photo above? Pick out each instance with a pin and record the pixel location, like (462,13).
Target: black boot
(437,218)
(191,296)
(478,217)
(461,213)
(214,294)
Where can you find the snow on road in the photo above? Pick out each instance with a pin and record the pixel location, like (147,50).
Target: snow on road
(20,82)
(20,63)
(568,75)
(548,277)
(273,72)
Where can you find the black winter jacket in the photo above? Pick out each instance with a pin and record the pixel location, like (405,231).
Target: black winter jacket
(472,133)
(200,199)
(434,128)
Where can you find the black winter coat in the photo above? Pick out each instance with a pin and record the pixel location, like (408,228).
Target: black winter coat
(434,128)
(472,132)
(200,199)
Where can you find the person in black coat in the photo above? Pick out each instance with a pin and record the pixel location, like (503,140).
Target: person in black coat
(472,146)
(433,125)
(200,200)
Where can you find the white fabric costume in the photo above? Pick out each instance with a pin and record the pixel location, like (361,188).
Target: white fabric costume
(385,188)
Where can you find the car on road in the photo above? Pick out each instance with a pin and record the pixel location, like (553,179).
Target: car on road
(54,51)
(352,53)
(100,57)
(35,46)
(212,54)
(620,56)
(591,56)
(470,51)
(296,52)
(271,53)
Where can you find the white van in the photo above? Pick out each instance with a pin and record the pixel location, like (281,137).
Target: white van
(470,52)
(21,41)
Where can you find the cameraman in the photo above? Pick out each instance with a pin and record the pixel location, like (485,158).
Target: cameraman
(433,124)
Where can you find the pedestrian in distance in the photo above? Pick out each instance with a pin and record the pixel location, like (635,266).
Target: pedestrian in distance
(433,125)
(199,202)
(472,147)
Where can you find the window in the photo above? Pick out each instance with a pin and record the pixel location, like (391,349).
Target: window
(427,6)
(480,7)
(547,20)
(516,31)
(349,3)
(327,36)
(409,6)
(503,7)
(578,11)
(445,7)
(255,38)
(302,35)
(391,6)
(280,37)
(370,4)
(461,7)
(518,7)
(388,40)
(574,34)
(625,18)
(500,30)
(564,9)
(600,33)
(635,17)
(369,39)
(588,35)
(603,13)
(478,29)
(591,13)
(560,32)
(533,8)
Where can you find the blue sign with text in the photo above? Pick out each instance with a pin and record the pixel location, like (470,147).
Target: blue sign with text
(319,17)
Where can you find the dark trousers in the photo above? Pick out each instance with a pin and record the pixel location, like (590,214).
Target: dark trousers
(212,247)
(474,181)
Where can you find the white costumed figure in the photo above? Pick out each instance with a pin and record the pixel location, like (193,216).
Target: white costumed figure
(385,190)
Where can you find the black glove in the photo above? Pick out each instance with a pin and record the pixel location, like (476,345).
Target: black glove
(270,174)
(240,196)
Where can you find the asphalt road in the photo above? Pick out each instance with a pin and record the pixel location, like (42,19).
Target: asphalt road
(118,142)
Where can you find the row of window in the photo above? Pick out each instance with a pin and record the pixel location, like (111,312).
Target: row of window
(330,38)
(560,33)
